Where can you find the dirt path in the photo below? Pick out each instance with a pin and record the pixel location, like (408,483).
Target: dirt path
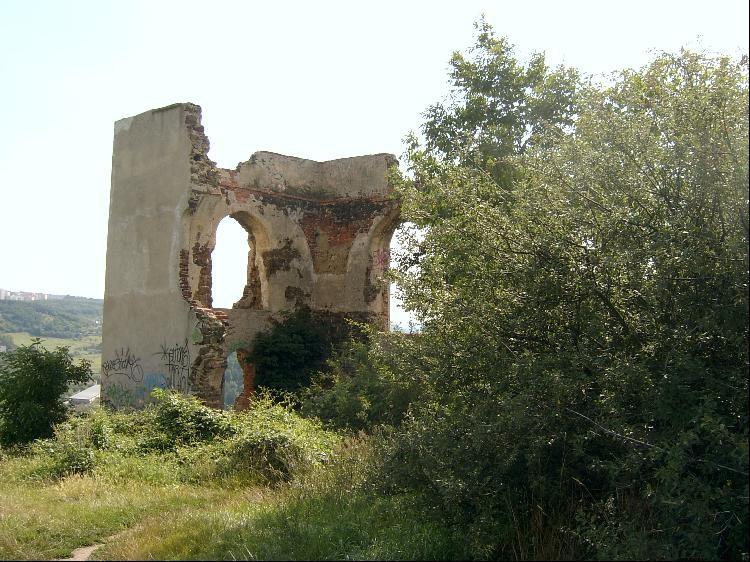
(83,553)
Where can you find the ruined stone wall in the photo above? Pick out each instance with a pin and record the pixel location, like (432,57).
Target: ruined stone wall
(318,236)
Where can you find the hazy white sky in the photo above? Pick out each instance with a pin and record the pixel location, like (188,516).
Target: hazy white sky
(313,79)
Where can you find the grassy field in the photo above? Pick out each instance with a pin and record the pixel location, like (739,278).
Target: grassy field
(44,520)
(166,519)
(87,347)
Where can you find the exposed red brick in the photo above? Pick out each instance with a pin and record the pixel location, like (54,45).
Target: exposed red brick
(248,371)
(202,258)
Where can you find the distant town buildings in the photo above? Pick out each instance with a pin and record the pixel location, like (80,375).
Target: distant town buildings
(6,295)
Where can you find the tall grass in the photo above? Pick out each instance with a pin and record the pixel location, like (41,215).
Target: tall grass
(329,513)
(44,520)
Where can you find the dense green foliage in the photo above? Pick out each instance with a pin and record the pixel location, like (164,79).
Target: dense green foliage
(287,356)
(579,262)
(366,383)
(32,383)
(69,317)
(578,259)
(265,444)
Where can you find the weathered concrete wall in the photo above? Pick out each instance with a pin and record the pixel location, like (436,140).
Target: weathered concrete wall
(318,236)
(147,329)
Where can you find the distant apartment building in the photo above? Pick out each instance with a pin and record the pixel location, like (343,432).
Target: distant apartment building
(6,295)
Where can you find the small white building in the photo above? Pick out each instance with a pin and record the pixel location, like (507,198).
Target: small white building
(86,398)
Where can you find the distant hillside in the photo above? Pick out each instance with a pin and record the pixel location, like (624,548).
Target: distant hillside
(69,317)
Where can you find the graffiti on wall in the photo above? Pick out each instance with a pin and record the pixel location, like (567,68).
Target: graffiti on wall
(122,393)
(124,363)
(176,360)
(119,396)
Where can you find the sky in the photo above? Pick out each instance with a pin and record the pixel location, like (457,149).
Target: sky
(318,80)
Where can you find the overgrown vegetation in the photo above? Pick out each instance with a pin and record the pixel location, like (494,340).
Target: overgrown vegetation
(192,482)
(71,322)
(327,514)
(295,348)
(578,258)
(265,445)
(367,383)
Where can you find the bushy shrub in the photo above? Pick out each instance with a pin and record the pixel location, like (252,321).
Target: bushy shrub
(281,438)
(102,432)
(287,356)
(32,383)
(182,419)
(364,385)
(269,443)
(68,452)
(266,443)
(179,439)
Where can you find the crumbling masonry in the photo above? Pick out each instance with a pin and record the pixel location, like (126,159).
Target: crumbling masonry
(318,236)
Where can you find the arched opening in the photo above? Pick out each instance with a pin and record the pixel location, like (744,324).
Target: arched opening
(400,319)
(239,380)
(383,297)
(231,263)
(233,381)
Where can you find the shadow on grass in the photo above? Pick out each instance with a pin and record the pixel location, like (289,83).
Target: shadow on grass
(291,524)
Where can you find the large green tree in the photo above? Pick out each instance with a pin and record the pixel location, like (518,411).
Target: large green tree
(579,262)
